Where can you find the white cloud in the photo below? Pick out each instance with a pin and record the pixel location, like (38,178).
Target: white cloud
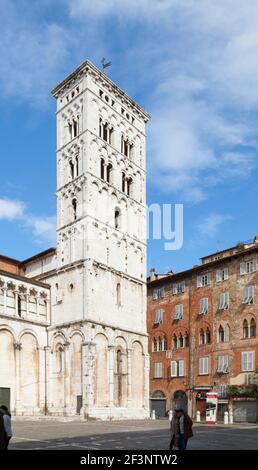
(43,228)
(11,209)
(211,224)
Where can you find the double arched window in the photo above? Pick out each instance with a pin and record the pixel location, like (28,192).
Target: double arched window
(249,330)
(204,336)
(223,334)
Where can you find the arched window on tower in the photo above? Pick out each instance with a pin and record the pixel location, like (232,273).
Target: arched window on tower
(154,345)
(160,344)
(117,218)
(109,172)
(245,329)
(165,343)
(174,342)
(111,132)
(123,182)
(129,186)
(253,328)
(102,168)
(74,205)
(75,127)
(186,338)
(77,165)
(19,305)
(118,294)
(71,169)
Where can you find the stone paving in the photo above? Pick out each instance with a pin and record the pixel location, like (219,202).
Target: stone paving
(66,434)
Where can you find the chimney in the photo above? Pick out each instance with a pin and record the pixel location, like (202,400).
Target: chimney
(152,274)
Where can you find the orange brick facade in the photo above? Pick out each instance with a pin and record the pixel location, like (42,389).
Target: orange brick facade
(227,332)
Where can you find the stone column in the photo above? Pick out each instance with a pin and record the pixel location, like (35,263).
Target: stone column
(41,379)
(17,352)
(146,393)
(111,350)
(67,377)
(27,297)
(129,377)
(88,354)
(5,295)
(16,292)
(47,379)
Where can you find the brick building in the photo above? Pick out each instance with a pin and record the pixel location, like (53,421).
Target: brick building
(202,326)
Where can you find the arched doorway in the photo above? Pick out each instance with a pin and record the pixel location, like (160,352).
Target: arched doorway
(158,403)
(179,400)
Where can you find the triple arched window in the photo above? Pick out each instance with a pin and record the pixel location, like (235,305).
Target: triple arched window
(180,340)
(159,344)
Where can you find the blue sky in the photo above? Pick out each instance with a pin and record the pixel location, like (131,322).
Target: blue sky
(192,65)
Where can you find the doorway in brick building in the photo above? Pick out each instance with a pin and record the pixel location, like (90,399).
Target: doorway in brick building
(179,401)
(158,404)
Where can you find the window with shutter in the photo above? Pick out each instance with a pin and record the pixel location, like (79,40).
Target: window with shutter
(225,274)
(158,317)
(247,361)
(203,365)
(219,275)
(155,294)
(174,289)
(178,312)
(242,268)
(158,372)
(203,306)
(173,368)
(248,295)
(181,368)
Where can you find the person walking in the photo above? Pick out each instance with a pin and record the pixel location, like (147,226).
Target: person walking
(174,432)
(185,428)
(6,415)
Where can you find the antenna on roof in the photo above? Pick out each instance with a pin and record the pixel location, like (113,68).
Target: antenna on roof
(105,64)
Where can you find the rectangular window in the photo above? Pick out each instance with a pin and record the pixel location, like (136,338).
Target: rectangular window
(178,288)
(158,370)
(224,301)
(223,391)
(158,293)
(248,295)
(247,361)
(177,368)
(222,275)
(222,364)
(203,280)
(158,316)
(179,312)
(248,266)
(203,306)
(203,366)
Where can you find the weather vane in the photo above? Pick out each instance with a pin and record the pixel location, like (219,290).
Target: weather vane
(105,64)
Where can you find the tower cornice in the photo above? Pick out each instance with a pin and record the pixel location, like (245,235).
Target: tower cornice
(88,67)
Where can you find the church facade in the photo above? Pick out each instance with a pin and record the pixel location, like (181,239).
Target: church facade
(73,336)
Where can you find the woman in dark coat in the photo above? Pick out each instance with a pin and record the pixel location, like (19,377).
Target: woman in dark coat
(2,434)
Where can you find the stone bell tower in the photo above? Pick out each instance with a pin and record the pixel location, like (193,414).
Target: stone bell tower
(99,284)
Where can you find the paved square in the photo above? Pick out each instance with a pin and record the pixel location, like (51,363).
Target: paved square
(125,435)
